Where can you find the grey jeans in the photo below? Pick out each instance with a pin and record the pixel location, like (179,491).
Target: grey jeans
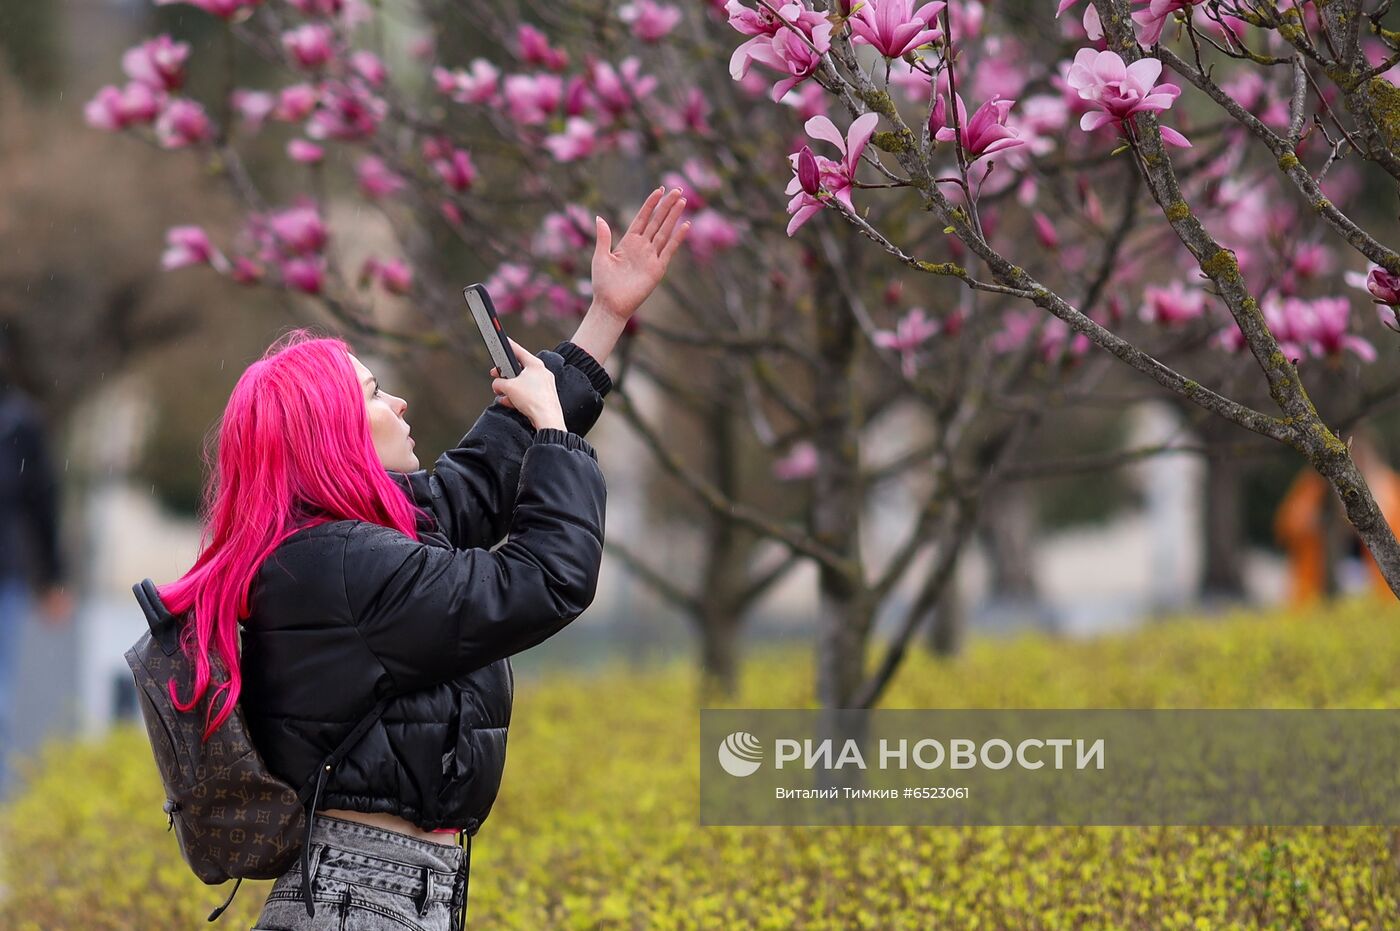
(364,878)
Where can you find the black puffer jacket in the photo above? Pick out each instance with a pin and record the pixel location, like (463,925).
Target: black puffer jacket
(347,612)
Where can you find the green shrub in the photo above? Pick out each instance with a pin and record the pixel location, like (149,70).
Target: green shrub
(597,821)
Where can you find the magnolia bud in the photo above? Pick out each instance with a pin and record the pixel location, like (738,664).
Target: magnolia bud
(808,174)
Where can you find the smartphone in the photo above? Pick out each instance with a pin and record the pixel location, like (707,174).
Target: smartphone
(492,333)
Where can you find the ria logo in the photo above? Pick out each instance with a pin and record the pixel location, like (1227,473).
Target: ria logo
(740,754)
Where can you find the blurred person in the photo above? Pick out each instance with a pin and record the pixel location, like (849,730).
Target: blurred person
(30,551)
(353,576)
(1313,530)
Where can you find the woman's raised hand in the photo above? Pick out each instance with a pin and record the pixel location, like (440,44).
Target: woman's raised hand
(532,392)
(624,275)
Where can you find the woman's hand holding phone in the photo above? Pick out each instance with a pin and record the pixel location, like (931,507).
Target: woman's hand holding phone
(532,392)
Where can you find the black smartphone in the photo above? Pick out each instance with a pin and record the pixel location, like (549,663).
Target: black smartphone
(492,333)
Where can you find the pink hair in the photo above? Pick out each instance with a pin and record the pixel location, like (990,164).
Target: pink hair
(294,450)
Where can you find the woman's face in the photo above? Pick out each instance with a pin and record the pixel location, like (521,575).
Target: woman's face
(386,423)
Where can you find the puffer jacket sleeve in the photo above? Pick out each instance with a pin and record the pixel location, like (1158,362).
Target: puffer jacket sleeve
(430,613)
(472,486)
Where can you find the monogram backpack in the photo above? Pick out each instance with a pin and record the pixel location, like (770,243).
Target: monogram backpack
(232,817)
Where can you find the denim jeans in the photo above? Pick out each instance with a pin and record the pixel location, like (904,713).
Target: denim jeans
(364,877)
(14,610)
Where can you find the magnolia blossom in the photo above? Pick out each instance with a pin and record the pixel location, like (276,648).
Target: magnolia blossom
(158,63)
(578,140)
(563,232)
(224,9)
(1154,19)
(1172,305)
(253,106)
(1093,28)
(1045,231)
(1118,92)
(456,169)
(347,111)
(376,179)
(304,274)
(1329,318)
(650,21)
(295,103)
(532,98)
(393,275)
(618,89)
(183,123)
(514,288)
(711,232)
(835,176)
(246,271)
(368,66)
(894,27)
(310,45)
(535,49)
(793,45)
(318,7)
(475,86)
(307,153)
(986,133)
(188,245)
(799,463)
(115,108)
(913,330)
(1383,286)
(297,230)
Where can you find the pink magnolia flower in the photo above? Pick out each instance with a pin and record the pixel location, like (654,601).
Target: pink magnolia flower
(376,179)
(189,245)
(836,176)
(224,9)
(1384,286)
(532,98)
(252,106)
(913,330)
(650,21)
(318,7)
(513,289)
(1154,19)
(295,103)
(1117,92)
(915,83)
(578,140)
(986,133)
(246,271)
(535,49)
(456,169)
(619,89)
(693,115)
(1093,28)
(347,111)
(475,86)
(1045,231)
(711,232)
(115,108)
(307,153)
(311,45)
(393,275)
(1325,321)
(799,463)
(794,49)
(894,27)
(304,274)
(158,63)
(368,66)
(564,232)
(1172,305)
(297,230)
(183,123)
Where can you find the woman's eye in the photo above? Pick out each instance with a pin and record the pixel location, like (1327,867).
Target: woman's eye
(376,391)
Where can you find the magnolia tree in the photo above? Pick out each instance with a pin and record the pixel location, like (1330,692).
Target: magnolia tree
(512,155)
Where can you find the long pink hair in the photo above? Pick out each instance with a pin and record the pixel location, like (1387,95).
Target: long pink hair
(294,450)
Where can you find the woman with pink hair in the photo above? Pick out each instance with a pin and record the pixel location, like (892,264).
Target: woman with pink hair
(336,575)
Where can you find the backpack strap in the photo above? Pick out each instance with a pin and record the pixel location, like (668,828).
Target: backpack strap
(314,786)
(165,627)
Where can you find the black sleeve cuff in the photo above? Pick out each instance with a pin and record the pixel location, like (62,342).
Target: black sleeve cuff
(564,438)
(580,359)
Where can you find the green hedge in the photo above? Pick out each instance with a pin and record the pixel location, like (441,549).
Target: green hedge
(596,824)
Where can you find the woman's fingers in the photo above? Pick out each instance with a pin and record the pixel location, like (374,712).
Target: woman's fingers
(658,216)
(674,243)
(639,222)
(669,224)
